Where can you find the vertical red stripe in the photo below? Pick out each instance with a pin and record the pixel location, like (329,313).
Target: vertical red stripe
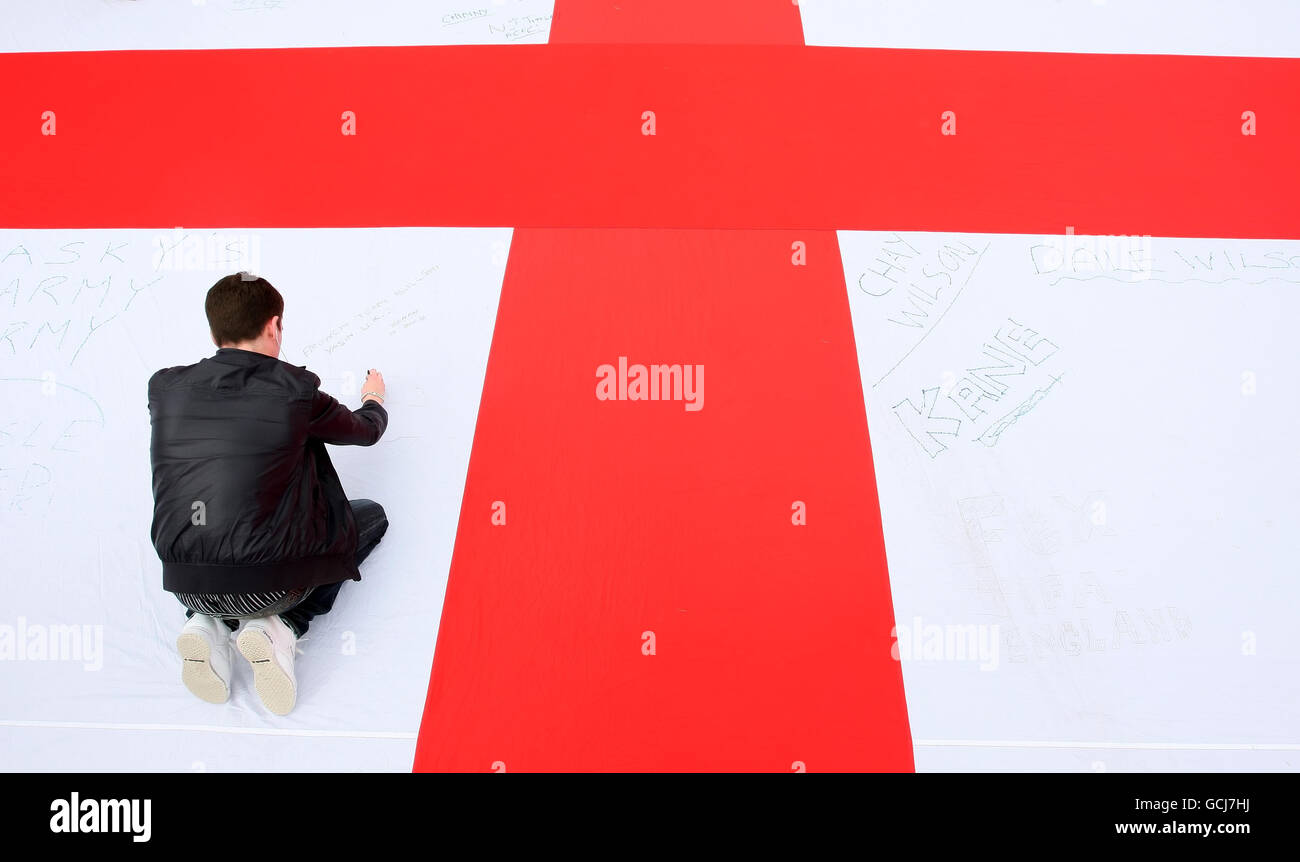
(772,640)
(626,520)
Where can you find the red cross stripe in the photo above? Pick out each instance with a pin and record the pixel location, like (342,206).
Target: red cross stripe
(749,136)
(653,600)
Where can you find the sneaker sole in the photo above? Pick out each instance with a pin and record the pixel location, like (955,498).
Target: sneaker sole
(274,686)
(196,669)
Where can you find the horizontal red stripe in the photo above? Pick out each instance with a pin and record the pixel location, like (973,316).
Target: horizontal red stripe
(748,136)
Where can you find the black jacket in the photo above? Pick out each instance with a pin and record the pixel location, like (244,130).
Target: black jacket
(245,497)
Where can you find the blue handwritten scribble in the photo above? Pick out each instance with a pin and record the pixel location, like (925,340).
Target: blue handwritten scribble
(994,432)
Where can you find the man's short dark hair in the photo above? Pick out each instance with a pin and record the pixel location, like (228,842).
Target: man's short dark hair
(238,310)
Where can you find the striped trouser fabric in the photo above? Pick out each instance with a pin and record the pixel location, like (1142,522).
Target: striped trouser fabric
(236,606)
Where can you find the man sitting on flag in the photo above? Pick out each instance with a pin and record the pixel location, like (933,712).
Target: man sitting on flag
(250,519)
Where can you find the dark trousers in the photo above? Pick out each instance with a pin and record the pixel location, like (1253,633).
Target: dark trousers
(372,523)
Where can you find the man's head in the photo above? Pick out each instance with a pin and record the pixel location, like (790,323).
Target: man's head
(246,312)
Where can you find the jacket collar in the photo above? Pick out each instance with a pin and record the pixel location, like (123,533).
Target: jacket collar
(239,356)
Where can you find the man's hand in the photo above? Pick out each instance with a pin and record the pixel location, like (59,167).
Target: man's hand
(373,384)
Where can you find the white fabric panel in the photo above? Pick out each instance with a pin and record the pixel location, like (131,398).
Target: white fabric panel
(86,317)
(1230,28)
(123,25)
(1106,525)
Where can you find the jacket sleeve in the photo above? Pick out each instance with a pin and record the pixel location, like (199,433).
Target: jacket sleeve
(332,422)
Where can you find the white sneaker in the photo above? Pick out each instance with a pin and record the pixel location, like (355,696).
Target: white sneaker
(204,646)
(268,644)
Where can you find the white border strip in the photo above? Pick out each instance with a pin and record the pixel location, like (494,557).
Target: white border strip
(215,728)
(916,743)
(1218,28)
(1132,746)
